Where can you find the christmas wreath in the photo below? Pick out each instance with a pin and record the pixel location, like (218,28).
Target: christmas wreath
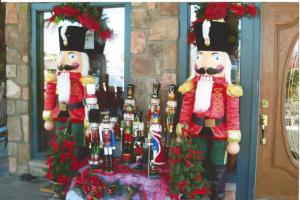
(185,171)
(88,16)
(61,162)
(229,12)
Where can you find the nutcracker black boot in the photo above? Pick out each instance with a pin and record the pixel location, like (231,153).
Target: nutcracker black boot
(218,182)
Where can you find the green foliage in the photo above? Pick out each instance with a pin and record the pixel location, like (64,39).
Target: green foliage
(186,170)
(61,163)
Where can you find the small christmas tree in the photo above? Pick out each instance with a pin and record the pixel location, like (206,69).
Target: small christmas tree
(185,171)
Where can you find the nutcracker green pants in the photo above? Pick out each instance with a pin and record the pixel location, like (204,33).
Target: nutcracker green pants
(218,154)
(77,131)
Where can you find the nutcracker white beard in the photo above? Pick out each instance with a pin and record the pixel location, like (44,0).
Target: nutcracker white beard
(203,94)
(63,87)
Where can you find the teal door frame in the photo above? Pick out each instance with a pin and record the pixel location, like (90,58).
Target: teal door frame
(36,8)
(249,104)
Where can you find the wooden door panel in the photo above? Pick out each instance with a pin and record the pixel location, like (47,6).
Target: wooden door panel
(277,173)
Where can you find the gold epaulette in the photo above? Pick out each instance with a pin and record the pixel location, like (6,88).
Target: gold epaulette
(51,77)
(234,90)
(87,79)
(187,86)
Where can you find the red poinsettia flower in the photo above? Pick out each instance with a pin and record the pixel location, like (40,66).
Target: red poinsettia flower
(237,9)
(69,11)
(89,22)
(75,165)
(201,191)
(191,37)
(251,10)
(49,176)
(63,157)
(215,11)
(55,147)
(57,10)
(174,196)
(188,164)
(107,34)
(85,188)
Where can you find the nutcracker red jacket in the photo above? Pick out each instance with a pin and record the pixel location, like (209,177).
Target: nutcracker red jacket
(222,105)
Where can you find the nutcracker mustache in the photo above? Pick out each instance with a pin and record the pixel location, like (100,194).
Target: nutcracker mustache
(203,94)
(68,67)
(210,70)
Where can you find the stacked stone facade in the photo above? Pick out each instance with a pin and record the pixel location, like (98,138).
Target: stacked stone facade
(154,47)
(17,72)
(154,44)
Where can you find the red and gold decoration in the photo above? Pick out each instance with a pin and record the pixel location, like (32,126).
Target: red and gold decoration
(88,16)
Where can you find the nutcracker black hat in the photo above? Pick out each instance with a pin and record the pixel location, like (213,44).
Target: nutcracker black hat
(130,90)
(94,116)
(213,36)
(72,38)
(155,92)
(105,117)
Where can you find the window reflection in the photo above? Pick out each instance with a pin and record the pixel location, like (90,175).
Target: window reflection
(292,103)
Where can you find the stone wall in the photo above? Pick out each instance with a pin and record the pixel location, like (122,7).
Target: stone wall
(17,71)
(154,44)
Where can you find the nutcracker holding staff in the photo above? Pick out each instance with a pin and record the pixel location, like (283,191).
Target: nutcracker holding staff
(169,120)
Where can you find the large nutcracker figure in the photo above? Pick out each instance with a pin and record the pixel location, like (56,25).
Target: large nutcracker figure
(127,126)
(210,106)
(170,117)
(107,141)
(70,86)
(154,134)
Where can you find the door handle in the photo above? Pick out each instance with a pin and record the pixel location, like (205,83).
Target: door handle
(263,125)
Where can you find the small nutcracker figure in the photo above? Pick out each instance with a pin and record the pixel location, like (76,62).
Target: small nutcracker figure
(154,106)
(127,126)
(94,138)
(107,141)
(169,121)
(154,134)
(138,132)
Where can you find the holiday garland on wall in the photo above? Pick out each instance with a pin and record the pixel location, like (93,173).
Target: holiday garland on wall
(88,16)
(185,171)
